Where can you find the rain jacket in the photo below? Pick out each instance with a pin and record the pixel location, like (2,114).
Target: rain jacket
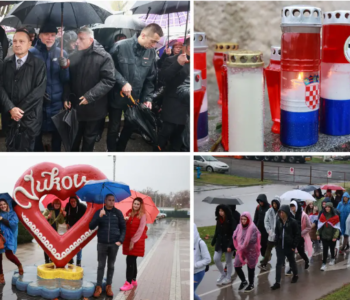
(344,209)
(271,219)
(235,215)
(56,79)
(288,234)
(111,227)
(259,216)
(224,230)
(328,232)
(25,89)
(9,229)
(318,199)
(54,220)
(175,109)
(135,65)
(347,225)
(201,254)
(92,75)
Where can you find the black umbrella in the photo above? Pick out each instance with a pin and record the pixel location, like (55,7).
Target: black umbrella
(309,188)
(66,123)
(11,21)
(161,8)
(223,200)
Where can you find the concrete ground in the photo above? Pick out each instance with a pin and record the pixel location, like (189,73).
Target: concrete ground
(312,283)
(166,258)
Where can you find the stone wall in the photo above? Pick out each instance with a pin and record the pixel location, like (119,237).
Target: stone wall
(254,25)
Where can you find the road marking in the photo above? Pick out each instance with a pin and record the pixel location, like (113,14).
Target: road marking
(175,284)
(142,267)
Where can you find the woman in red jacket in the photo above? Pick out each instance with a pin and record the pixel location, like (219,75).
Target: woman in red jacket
(134,242)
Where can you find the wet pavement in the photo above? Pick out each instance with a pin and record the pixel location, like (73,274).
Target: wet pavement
(272,142)
(173,230)
(312,283)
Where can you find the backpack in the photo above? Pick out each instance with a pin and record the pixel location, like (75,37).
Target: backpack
(207,266)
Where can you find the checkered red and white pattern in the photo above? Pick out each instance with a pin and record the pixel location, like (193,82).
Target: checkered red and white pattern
(312,95)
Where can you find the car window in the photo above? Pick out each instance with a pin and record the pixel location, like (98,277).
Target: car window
(210,158)
(196,157)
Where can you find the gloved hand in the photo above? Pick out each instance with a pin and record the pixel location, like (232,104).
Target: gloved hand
(63,62)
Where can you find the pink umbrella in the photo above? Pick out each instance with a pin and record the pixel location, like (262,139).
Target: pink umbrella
(175,19)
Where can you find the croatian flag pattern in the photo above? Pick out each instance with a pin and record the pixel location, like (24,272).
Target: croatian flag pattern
(312,95)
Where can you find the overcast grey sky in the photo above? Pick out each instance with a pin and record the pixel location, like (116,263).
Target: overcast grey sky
(163,173)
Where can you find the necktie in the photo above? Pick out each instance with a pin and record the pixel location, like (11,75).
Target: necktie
(19,63)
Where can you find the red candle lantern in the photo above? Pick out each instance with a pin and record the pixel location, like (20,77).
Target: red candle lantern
(224,116)
(273,82)
(199,92)
(218,62)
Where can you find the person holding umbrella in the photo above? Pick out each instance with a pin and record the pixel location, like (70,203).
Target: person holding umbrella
(58,76)
(21,94)
(134,242)
(110,235)
(9,229)
(134,60)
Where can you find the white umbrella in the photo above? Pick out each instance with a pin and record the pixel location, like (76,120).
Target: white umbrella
(297,194)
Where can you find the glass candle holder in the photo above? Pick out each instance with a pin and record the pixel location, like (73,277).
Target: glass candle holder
(218,62)
(245,80)
(300,70)
(200,63)
(273,82)
(199,92)
(224,114)
(335,73)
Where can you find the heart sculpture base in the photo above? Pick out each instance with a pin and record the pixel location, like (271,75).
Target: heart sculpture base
(61,288)
(69,272)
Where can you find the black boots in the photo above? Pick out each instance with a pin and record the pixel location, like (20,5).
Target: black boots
(78,262)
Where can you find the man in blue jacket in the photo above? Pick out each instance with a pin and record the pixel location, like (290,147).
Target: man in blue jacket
(110,235)
(57,76)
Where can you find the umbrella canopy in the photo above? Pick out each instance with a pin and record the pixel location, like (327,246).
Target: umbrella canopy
(175,19)
(297,194)
(49,198)
(127,22)
(332,187)
(151,209)
(309,188)
(95,191)
(223,200)
(11,21)
(159,7)
(76,14)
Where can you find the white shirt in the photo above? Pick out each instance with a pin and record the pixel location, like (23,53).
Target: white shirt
(23,59)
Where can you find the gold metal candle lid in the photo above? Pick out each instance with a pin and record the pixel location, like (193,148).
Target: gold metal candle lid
(224,47)
(244,59)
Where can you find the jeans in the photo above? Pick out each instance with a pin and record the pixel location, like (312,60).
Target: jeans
(218,263)
(88,131)
(197,278)
(80,254)
(267,255)
(281,254)
(251,273)
(105,251)
(55,142)
(328,244)
(173,133)
(131,268)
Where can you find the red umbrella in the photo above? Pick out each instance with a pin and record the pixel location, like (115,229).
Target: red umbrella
(150,208)
(332,187)
(49,199)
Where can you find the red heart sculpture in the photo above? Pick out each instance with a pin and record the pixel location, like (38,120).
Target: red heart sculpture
(49,178)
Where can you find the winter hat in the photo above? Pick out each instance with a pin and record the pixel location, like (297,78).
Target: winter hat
(46,28)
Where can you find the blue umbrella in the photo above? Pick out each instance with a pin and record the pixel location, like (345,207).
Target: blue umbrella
(95,191)
(8,199)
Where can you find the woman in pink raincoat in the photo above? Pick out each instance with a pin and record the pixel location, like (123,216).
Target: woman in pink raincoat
(246,240)
(305,229)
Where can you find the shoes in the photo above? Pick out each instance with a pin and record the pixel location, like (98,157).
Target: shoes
(242,285)
(307,265)
(335,252)
(226,281)
(289,273)
(134,283)
(323,268)
(276,286)
(249,288)
(78,262)
(126,287)
(2,279)
(225,269)
(263,267)
(20,270)
(109,291)
(295,279)
(220,279)
(98,291)
(332,262)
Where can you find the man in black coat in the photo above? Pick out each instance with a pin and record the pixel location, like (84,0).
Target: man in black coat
(92,76)
(287,238)
(21,95)
(175,111)
(259,218)
(134,61)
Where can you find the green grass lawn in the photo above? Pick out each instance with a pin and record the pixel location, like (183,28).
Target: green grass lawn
(210,230)
(341,294)
(317,160)
(224,179)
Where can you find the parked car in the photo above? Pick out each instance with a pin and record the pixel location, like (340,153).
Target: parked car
(210,164)
(161,215)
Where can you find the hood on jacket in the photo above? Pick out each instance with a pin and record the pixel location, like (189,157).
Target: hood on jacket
(7,199)
(294,202)
(330,204)
(248,216)
(319,192)
(262,198)
(226,209)
(346,194)
(196,236)
(276,200)
(232,207)
(286,209)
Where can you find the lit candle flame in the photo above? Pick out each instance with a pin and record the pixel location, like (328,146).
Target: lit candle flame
(300,77)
